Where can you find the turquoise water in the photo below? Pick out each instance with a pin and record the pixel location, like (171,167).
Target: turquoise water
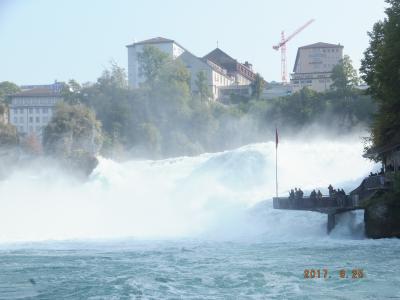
(189,269)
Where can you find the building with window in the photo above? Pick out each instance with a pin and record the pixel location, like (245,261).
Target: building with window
(217,77)
(242,73)
(313,66)
(220,69)
(31,110)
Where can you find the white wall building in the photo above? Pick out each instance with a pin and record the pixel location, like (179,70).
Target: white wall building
(31,110)
(218,76)
(313,66)
(168,46)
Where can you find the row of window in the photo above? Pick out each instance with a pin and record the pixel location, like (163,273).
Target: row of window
(319,65)
(220,78)
(44,110)
(245,71)
(33,101)
(310,81)
(31,120)
(301,81)
(330,50)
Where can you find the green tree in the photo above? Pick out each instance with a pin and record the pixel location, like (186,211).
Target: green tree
(71,92)
(109,98)
(151,60)
(344,76)
(8,136)
(73,128)
(115,77)
(202,86)
(257,86)
(7,88)
(381,71)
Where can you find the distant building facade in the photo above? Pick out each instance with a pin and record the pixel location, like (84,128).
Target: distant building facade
(31,109)
(220,69)
(313,66)
(242,73)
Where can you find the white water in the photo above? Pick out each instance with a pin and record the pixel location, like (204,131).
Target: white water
(213,195)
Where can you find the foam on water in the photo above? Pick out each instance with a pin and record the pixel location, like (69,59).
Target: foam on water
(212,195)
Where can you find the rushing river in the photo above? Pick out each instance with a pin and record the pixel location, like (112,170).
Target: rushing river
(190,228)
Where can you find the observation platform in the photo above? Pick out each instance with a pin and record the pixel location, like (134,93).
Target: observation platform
(336,203)
(330,205)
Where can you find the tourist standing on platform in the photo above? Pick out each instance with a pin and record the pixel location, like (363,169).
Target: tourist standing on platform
(330,189)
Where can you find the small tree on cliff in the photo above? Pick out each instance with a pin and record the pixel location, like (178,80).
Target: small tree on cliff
(202,86)
(73,128)
(8,136)
(257,86)
(74,135)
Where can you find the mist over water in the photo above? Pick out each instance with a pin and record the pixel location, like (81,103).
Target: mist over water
(213,196)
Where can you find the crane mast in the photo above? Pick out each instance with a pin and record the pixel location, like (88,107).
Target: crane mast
(282,46)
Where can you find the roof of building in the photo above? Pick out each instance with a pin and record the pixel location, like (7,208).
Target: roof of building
(207,62)
(314,46)
(37,92)
(221,58)
(227,62)
(156,40)
(321,45)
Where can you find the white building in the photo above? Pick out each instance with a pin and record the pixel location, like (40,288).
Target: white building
(31,110)
(313,66)
(214,65)
(242,73)
(217,77)
(168,46)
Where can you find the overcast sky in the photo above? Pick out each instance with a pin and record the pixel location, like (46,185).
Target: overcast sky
(44,40)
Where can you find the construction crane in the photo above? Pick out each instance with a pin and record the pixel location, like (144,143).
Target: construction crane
(282,46)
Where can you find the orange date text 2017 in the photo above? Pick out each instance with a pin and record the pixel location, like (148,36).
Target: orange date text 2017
(316,273)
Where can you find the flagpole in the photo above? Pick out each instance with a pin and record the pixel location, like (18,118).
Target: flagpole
(276,170)
(276,161)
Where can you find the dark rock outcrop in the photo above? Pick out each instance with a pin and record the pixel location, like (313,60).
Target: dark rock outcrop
(382,217)
(81,162)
